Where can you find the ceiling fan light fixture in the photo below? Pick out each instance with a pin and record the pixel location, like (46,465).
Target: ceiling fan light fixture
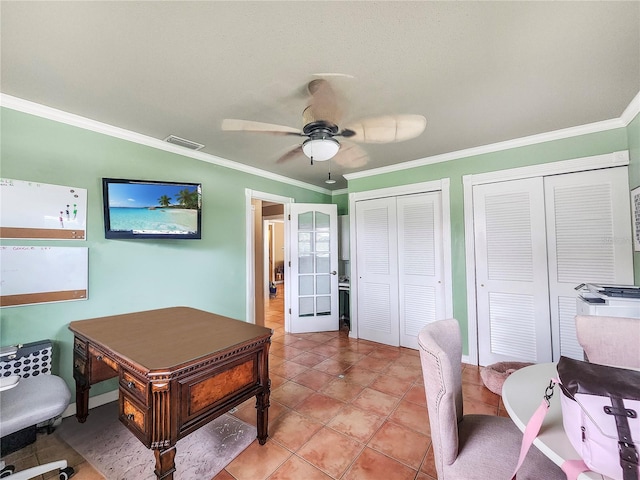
(320,149)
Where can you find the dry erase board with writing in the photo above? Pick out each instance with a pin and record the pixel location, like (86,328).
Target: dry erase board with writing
(42,211)
(43,274)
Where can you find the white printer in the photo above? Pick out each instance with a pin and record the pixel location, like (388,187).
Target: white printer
(608,300)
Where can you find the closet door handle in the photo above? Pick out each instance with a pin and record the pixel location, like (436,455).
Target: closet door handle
(334,272)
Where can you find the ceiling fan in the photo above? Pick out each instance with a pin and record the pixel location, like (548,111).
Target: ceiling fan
(321,118)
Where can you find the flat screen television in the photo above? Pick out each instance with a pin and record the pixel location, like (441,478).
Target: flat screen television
(151,209)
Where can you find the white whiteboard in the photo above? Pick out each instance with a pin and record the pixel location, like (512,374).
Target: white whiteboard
(43,274)
(40,210)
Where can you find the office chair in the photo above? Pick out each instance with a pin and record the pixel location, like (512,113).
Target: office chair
(28,397)
(609,341)
(469,447)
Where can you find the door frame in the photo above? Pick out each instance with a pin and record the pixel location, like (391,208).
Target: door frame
(250,247)
(442,186)
(614,159)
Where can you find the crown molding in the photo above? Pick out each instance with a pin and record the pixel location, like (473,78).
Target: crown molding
(625,119)
(36,109)
(26,106)
(632,110)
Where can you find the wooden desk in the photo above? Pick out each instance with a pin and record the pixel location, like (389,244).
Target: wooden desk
(179,368)
(522,393)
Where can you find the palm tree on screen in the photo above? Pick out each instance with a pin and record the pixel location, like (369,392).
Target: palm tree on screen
(164,201)
(187,199)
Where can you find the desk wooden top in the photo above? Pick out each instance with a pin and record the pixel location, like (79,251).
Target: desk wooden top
(167,338)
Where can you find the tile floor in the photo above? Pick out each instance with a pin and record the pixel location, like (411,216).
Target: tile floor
(340,409)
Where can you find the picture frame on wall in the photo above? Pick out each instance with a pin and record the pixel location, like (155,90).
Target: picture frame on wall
(635,218)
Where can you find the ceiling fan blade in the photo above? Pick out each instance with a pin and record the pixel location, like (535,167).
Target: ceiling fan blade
(291,154)
(350,155)
(388,128)
(233,125)
(323,105)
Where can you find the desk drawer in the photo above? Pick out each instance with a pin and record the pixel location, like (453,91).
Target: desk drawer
(200,394)
(134,416)
(134,386)
(79,346)
(102,367)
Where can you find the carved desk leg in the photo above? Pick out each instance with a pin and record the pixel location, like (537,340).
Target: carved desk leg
(262,406)
(262,398)
(163,437)
(82,401)
(165,463)
(83,384)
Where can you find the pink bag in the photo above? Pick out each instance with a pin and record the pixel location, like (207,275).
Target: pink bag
(600,408)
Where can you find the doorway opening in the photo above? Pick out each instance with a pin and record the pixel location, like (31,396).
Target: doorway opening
(266,253)
(274,271)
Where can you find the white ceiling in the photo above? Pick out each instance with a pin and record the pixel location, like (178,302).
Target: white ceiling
(480,72)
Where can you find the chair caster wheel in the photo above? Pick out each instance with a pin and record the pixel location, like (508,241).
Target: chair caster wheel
(66,473)
(6,471)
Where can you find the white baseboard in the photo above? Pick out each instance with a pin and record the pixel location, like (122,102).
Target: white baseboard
(94,402)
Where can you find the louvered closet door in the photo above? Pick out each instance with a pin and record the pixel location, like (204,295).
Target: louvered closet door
(420,264)
(511,272)
(377,266)
(589,239)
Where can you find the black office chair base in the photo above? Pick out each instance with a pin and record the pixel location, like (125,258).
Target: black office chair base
(64,473)
(6,471)
(17,440)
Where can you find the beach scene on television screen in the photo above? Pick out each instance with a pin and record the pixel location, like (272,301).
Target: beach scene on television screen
(154,208)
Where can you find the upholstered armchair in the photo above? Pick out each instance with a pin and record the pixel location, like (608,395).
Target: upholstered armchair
(469,447)
(610,340)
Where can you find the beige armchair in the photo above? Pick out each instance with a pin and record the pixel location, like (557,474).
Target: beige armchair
(469,447)
(611,341)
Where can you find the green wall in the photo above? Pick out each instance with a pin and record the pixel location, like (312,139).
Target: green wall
(566,149)
(131,275)
(633,134)
(342,201)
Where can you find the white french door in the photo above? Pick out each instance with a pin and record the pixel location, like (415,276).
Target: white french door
(400,267)
(313,240)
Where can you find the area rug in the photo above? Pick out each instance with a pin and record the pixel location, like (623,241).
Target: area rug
(116,453)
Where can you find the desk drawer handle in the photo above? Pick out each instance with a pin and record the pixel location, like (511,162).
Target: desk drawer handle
(131,384)
(99,358)
(131,416)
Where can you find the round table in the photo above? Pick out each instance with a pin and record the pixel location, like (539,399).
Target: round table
(522,394)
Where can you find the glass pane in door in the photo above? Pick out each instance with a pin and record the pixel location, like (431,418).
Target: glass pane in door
(323,263)
(323,304)
(305,285)
(305,304)
(322,222)
(323,284)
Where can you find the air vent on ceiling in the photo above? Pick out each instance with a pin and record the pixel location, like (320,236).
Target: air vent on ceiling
(183,142)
